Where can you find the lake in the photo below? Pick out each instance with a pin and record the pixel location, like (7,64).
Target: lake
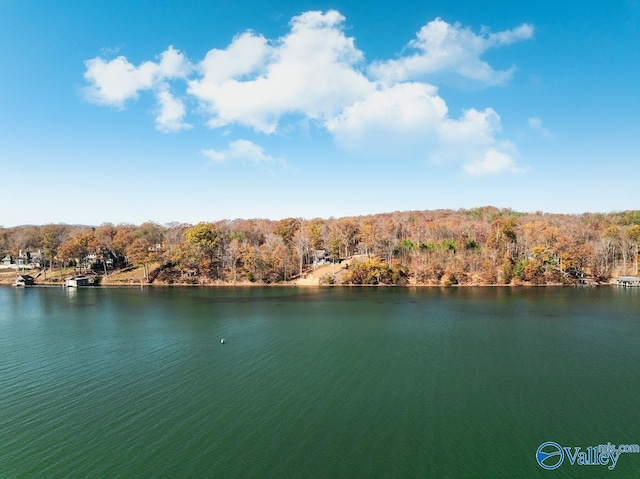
(326,382)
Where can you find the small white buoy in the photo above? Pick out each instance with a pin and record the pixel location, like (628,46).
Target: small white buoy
(222,341)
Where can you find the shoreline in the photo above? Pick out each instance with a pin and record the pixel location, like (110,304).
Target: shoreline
(294,285)
(312,280)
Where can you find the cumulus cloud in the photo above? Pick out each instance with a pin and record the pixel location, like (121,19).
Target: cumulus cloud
(311,72)
(472,140)
(412,117)
(117,81)
(473,127)
(492,163)
(239,150)
(316,75)
(406,108)
(171,112)
(442,47)
(245,55)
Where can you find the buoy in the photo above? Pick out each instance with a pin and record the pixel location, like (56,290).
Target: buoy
(222,341)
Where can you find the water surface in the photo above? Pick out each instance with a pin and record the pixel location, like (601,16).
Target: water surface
(442,383)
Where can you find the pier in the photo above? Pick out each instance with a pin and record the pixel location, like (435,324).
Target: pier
(628,281)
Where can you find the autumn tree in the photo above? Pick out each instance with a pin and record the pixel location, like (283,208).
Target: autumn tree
(138,253)
(232,251)
(203,241)
(503,235)
(301,242)
(346,231)
(76,248)
(124,236)
(287,228)
(374,271)
(103,243)
(52,238)
(249,260)
(4,235)
(368,237)
(404,249)
(25,238)
(633,233)
(314,232)
(275,259)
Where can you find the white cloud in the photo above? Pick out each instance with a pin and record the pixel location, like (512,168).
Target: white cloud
(405,118)
(535,124)
(315,75)
(492,163)
(473,128)
(402,108)
(115,82)
(246,54)
(239,150)
(413,119)
(442,47)
(172,112)
(310,72)
(173,64)
(474,135)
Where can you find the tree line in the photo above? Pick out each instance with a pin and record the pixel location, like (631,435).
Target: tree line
(484,245)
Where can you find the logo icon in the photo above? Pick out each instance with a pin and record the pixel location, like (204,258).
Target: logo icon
(549,455)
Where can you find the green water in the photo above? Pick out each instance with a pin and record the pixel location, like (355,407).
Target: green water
(442,383)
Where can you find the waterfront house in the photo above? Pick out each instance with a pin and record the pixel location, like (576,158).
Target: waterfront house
(105,260)
(320,257)
(24,260)
(30,259)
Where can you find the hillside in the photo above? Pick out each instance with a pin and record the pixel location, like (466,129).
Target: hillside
(484,245)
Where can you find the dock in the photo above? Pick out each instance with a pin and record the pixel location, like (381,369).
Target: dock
(628,281)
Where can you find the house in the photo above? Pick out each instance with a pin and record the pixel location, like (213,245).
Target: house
(35,258)
(105,260)
(31,259)
(320,256)
(24,260)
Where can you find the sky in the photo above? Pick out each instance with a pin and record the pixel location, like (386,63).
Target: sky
(182,110)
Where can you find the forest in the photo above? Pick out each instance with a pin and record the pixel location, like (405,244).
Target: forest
(479,246)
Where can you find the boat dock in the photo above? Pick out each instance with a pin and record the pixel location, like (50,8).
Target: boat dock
(82,280)
(628,281)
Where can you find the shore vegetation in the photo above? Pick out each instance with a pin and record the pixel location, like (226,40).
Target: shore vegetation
(479,246)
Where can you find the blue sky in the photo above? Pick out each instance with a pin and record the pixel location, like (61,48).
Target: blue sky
(129,111)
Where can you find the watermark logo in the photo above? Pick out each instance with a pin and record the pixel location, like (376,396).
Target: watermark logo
(550,455)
